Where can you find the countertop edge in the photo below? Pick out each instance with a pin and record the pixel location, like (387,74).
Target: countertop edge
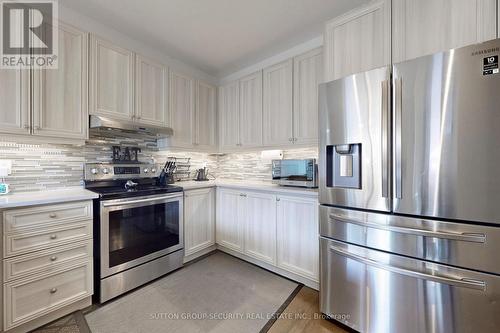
(27,199)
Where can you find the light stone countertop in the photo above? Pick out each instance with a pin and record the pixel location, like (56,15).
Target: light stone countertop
(248,185)
(24,199)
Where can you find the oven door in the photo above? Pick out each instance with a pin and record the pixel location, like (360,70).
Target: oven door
(138,230)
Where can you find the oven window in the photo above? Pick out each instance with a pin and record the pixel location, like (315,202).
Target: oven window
(294,170)
(136,232)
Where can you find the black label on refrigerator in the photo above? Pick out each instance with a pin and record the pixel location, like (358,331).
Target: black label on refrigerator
(490,65)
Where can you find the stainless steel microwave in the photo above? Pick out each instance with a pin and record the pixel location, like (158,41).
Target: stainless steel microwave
(301,173)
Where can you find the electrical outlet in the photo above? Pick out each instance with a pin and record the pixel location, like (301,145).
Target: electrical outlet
(6,164)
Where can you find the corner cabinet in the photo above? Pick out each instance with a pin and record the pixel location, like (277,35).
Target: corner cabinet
(277,114)
(230,225)
(111,82)
(229,116)
(182,93)
(199,220)
(49,103)
(359,40)
(423,27)
(151,84)
(205,118)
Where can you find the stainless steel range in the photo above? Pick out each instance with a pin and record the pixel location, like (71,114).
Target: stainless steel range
(138,226)
(409,193)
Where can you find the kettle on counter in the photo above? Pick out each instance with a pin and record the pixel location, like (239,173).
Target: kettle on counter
(202,174)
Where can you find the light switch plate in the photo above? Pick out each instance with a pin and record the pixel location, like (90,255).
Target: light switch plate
(6,164)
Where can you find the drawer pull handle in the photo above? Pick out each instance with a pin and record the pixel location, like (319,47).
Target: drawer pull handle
(53,258)
(53,236)
(53,290)
(53,215)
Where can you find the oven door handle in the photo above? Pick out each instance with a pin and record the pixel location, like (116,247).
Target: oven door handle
(130,202)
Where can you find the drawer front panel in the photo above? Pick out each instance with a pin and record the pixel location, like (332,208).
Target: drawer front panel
(18,220)
(374,291)
(46,261)
(39,240)
(27,299)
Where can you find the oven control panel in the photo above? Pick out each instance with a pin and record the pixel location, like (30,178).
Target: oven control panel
(105,171)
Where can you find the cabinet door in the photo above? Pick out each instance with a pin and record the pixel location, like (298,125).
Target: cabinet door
(60,95)
(260,226)
(307,74)
(111,84)
(15,101)
(278,119)
(151,105)
(182,109)
(358,41)
(199,220)
(423,27)
(229,116)
(205,117)
(298,236)
(251,110)
(230,224)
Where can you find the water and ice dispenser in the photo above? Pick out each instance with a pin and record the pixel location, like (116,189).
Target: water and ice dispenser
(344,166)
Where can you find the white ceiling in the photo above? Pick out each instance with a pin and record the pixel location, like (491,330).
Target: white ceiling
(216,36)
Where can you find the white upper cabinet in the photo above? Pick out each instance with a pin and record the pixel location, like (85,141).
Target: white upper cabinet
(298,236)
(112,85)
(151,103)
(307,75)
(199,220)
(205,116)
(359,40)
(277,114)
(15,100)
(422,27)
(260,230)
(229,116)
(60,95)
(182,99)
(251,110)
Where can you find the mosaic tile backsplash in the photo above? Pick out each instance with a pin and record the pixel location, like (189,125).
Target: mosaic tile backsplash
(47,166)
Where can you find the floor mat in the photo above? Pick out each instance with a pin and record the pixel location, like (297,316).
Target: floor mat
(217,294)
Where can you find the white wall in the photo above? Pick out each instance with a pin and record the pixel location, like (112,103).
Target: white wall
(290,53)
(86,23)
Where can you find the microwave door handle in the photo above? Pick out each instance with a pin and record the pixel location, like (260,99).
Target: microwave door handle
(385,138)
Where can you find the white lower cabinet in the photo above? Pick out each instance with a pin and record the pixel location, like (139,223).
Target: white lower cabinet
(297,231)
(260,226)
(279,232)
(199,220)
(231,210)
(47,263)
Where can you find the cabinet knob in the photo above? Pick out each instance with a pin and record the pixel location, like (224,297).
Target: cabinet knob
(243,195)
(53,258)
(138,117)
(53,236)
(52,215)
(277,199)
(53,290)
(291,139)
(26,126)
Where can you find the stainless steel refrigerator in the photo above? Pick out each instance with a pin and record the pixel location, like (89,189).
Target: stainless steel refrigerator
(410,195)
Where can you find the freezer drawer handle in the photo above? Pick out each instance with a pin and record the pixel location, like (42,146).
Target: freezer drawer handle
(458,282)
(466,237)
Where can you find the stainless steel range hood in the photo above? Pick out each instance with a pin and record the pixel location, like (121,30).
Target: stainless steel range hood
(99,122)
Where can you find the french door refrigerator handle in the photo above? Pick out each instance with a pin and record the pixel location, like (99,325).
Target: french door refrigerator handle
(398,87)
(462,236)
(458,282)
(385,138)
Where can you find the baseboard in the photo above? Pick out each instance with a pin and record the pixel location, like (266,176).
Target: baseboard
(35,323)
(289,275)
(199,253)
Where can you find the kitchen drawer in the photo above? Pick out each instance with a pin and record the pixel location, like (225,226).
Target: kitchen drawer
(375,291)
(46,260)
(22,243)
(30,298)
(16,220)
